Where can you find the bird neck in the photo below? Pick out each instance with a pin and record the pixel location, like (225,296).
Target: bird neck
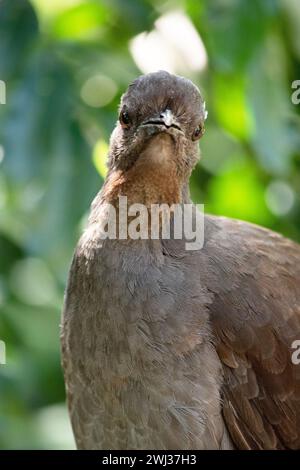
(155,177)
(147,185)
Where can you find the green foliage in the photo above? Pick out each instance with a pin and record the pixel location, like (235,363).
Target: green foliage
(54,144)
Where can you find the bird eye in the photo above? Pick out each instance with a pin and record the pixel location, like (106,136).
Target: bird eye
(198,132)
(125,119)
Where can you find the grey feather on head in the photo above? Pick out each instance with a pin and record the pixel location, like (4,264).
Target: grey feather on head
(158,103)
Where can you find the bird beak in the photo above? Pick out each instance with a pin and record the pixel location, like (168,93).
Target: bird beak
(165,118)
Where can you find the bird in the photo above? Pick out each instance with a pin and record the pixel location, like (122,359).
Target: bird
(165,347)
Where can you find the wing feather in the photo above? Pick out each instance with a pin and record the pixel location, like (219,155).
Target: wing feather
(256,317)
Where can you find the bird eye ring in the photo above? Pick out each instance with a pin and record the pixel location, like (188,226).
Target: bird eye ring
(198,132)
(125,119)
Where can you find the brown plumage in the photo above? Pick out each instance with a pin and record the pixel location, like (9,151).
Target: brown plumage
(165,348)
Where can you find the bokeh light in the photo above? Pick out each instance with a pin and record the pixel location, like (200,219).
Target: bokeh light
(280,197)
(98,91)
(164,47)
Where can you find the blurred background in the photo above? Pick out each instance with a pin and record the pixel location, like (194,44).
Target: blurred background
(65,64)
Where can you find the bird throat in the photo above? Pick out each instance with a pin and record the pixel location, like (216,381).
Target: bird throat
(153,179)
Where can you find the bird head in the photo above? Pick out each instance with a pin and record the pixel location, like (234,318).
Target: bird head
(161,119)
